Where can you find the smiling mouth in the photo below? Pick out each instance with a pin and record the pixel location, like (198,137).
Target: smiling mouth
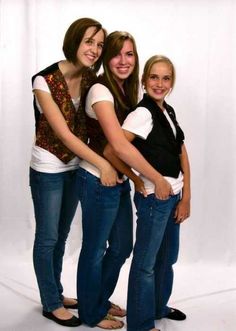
(123,70)
(91,57)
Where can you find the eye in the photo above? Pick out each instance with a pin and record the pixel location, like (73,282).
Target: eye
(153,77)
(101,45)
(130,54)
(89,41)
(167,78)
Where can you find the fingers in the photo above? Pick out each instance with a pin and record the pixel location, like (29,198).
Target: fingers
(181,218)
(164,196)
(142,191)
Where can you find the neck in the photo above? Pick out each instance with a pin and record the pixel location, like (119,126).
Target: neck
(71,71)
(120,83)
(160,104)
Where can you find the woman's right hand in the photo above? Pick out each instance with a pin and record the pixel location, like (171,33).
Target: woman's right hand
(163,188)
(108,175)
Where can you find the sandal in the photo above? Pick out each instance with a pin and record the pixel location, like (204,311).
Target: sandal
(110,323)
(117,311)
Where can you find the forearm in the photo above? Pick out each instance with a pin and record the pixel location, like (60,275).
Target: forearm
(185,165)
(81,149)
(130,155)
(118,163)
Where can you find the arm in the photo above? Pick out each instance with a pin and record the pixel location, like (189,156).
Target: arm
(124,169)
(183,208)
(77,146)
(125,150)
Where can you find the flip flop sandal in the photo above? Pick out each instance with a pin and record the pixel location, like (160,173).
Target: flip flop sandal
(119,311)
(109,317)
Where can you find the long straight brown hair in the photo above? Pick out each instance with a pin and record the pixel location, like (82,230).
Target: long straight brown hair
(113,45)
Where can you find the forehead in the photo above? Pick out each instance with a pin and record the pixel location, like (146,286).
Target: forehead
(127,46)
(161,68)
(89,33)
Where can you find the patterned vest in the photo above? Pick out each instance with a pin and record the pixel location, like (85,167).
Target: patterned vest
(76,120)
(97,139)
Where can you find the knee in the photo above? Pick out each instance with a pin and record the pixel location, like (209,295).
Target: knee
(123,252)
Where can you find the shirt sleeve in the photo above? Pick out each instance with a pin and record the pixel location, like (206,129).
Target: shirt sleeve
(40,84)
(98,92)
(139,122)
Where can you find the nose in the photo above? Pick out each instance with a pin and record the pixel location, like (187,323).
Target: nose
(94,48)
(159,82)
(122,59)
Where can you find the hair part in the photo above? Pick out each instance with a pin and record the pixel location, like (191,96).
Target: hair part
(114,44)
(74,36)
(157,59)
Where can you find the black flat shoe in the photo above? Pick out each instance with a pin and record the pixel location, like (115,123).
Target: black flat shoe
(73,321)
(176,315)
(72,306)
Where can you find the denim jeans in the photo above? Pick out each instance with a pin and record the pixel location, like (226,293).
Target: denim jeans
(107,242)
(155,251)
(55,199)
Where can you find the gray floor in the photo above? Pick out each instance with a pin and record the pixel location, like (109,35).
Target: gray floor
(207,294)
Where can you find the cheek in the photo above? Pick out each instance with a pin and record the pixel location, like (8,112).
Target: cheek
(99,52)
(112,64)
(148,88)
(133,61)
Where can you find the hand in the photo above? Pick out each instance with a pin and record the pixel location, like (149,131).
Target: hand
(108,175)
(139,186)
(163,189)
(182,211)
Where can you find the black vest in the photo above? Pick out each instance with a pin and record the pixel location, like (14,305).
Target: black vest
(161,148)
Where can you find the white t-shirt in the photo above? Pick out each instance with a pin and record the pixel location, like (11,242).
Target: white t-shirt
(41,159)
(98,92)
(140,123)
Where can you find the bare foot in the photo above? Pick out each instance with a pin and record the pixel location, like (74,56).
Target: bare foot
(69,301)
(110,323)
(116,310)
(62,313)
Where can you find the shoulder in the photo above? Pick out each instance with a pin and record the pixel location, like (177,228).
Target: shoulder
(141,113)
(99,92)
(50,69)
(139,122)
(40,83)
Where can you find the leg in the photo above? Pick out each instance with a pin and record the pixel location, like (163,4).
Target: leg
(99,209)
(153,216)
(68,208)
(167,256)
(120,243)
(47,192)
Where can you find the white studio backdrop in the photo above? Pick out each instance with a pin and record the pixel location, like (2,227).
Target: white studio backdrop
(200,38)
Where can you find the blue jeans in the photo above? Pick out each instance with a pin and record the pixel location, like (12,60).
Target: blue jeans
(155,251)
(55,199)
(107,223)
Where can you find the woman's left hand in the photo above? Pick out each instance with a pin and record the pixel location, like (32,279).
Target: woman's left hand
(182,211)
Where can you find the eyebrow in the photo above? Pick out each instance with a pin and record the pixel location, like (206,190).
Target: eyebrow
(91,38)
